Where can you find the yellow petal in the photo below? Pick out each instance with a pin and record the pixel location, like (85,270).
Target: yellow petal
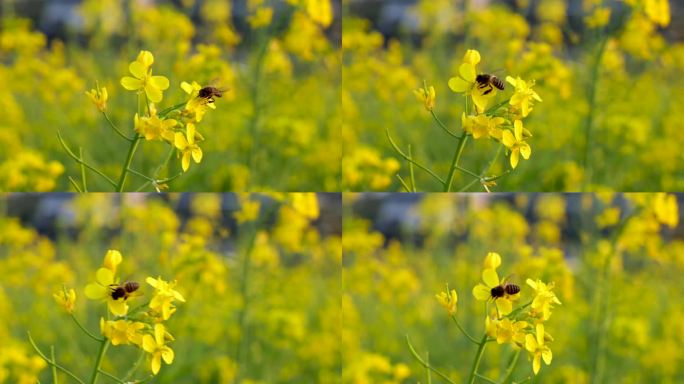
(518,127)
(504,306)
(180,143)
(156,363)
(467,72)
(547,356)
(185,162)
(130,83)
(540,334)
(153,93)
(160,82)
(490,277)
(515,157)
(145,58)
(118,307)
(481,292)
(536,363)
(148,344)
(525,150)
(137,69)
(492,260)
(508,139)
(458,85)
(530,343)
(167,355)
(187,88)
(95,292)
(104,276)
(471,56)
(197,155)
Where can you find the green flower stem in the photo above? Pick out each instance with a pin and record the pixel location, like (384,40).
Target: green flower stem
(111,376)
(413,179)
(444,127)
(425,364)
(454,163)
(74,184)
(85,330)
(83,175)
(135,366)
(52,362)
(427,371)
(111,124)
(407,158)
(511,366)
(485,378)
(81,161)
(127,163)
(55,379)
(168,110)
(478,358)
(100,355)
(589,119)
(463,330)
(403,183)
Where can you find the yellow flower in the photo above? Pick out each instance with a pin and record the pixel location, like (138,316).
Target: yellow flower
(508,331)
(483,292)
(153,128)
(112,260)
(448,300)
(522,98)
(544,298)
(66,299)
(320,11)
(196,106)
(538,349)
(249,210)
(465,81)
(482,126)
(101,290)
(427,97)
(188,147)
(516,143)
(666,210)
(143,79)
(99,97)
(262,17)
(658,11)
(164,297)
(156,347)
(122,331)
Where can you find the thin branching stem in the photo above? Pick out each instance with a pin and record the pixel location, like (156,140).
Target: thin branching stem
(111,124)
(443,126)
(52,362)
(425,364)
(407,158)
(81,161)
(85,330)
(453,317)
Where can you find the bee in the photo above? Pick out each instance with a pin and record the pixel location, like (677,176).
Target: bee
(124,290)
(209,92)
(484,80)
(503,289)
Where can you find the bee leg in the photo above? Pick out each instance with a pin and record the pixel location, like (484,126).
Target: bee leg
(488,91)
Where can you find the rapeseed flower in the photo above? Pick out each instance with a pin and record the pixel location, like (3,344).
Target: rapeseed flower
(141,69)
(465,81)
(523,96)
(539,350)
(101,290)
(448,300)
(66,299)
(162,301)
(154,128)
(187,146)
(99,97)
(482,126)
(122,331)
(483,292)
(157,348)
(544,298)
(426,96)
(508,331)
(516,143)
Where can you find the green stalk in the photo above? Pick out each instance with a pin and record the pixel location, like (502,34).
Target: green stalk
(83,174)
(454,162)
(425,364)
(589,119)
(127,163)
(85,330)
(478,358)
(55,380)
(511,366)
(100,355)
(463,330)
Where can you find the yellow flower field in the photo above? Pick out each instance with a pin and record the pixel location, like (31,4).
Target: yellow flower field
(546,95)
(178,288)
(512,288)
(134,95)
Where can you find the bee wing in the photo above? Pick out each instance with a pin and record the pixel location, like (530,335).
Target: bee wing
(508,278)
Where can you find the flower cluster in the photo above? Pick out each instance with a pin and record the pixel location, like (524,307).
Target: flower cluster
(522,327)
(488,123)
(144,329)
